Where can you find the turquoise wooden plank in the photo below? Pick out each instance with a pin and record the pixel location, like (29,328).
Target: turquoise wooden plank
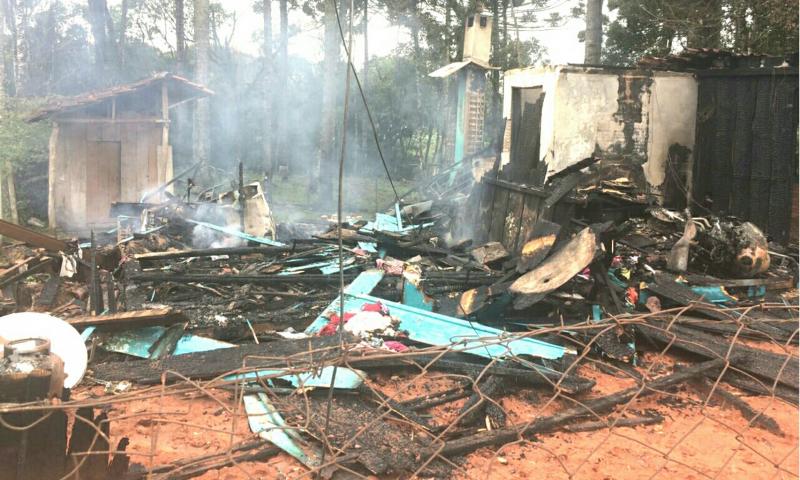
(267,423)
(371,247)
(364,283)
(194,343)
(346,378)
(390,223)
(464,336)
(415,297)
(236,233)
(138,342)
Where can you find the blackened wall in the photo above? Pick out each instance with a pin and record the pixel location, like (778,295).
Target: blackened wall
(746,157)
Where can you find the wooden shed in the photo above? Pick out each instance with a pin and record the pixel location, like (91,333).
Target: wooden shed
(111,146)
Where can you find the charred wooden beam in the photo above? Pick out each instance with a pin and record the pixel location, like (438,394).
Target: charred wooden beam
(212,252)
(32,237)
(765,364)
(431,400)
(241,279)
(758,419)
(751,385)
(49,293)
(305,353)
(621,422)
(666,286)
(138,318)
(27,273)
(589,407)
(196,466)
(533,377)
(473,410)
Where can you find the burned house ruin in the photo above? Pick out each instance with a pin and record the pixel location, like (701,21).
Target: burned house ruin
(111,146)
(602,268)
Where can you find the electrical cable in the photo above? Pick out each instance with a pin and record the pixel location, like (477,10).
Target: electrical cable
(364,101)
(339,209)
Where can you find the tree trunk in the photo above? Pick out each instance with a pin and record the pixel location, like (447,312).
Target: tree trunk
(12,194)
(741,31)
(706,26)
(97,21)
(322,178)
(594,31)
(52,47)
(365,28)
(448,20)
(202,108)
(364,126)
(268,93)
(10,54)
(23,47)
(123,30)
(505,24)
(180,36)
(279,145)
(3,54)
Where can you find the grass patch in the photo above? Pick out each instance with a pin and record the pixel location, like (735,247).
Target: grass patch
(362,196)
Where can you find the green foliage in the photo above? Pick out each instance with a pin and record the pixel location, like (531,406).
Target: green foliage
(660,27)
(22,143)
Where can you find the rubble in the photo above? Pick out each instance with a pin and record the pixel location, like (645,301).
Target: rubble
(312,365)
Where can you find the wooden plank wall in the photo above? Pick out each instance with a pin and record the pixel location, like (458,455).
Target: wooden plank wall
(745,148)
(508,211)
(97,164)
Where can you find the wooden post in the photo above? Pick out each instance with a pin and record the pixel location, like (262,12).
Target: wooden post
(241,196)
(164,114)
(164,152)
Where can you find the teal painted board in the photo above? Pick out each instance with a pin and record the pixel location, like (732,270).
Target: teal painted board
(458,149)
(237,233)
(435,329)
(138,342)
(390,223)
(346,378)
(364,283)
(371,247)
(135,342)
(414,297)
(193,343)
(267,423)
(715,294)
(468,337)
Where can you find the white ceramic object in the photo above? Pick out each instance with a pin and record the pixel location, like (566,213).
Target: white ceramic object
(65,341)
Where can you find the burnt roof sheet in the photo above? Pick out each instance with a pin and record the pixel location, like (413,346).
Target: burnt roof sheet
(180,90)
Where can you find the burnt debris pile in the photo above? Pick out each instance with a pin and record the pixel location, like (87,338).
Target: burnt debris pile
(469,319)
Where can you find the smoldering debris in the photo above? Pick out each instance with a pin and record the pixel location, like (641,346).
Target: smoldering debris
(186,298)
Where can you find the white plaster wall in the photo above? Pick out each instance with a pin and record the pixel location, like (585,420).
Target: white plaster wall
(673,113)
(578,113)
(583,117)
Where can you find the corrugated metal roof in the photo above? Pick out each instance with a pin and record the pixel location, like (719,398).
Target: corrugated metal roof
(181,88)
(713,58)
(452,68)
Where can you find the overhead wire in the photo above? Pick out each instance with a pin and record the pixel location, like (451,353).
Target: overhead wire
(339,206)
(364,101)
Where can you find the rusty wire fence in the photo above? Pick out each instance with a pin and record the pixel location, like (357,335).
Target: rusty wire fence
(443,450)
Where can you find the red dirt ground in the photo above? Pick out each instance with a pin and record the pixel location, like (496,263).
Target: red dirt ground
(694,441)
